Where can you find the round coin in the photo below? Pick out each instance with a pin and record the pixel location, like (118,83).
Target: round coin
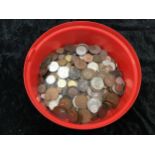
(94,49)
(65,103)
(72,91)
(51,94)
(97,83)
(53,66)
(61,83)
(97,58)
(118,89)
(85,116)
(74,73)
(88,73)
(72,83)
(93,65)
(50,79)
(87,57)
(81,49)
(83,85)
(62,62)
(41,88)
(109,80)
(81,101)
(63,72)
(68,58)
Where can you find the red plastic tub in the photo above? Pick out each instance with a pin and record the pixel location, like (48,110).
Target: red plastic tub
(91,33)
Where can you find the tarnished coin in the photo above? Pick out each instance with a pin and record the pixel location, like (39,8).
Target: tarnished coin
(50,79)
(103,54)
(68,58)
(81,49)
(93,105)
(72,115)
(72,83)
(87,57)
(54,103)
(70,48)
(97,83)
(62,62)
(60,50)
(65,103)
(81,101)
(97,58)
(53,66)
(61,83)
(109,63)
(85,116)
(94,49)
(74,73)
(72,91)
(93,65)
(83,85)
(63,72)
(79,63)
(118,89)
(60,113)
(113,99)
(42,88)
(109,80)
(51,94)
(102,112)
(88,73)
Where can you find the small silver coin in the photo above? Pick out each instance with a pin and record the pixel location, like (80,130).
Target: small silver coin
(81,49)
(53,66)
(97,83)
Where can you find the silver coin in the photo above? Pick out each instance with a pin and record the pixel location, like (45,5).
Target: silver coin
(50,79)
(97,83)
(53,66)
(94,105)
(83,85)
(63,72)
(93,65)
(81,49)
(109,63)
(74,73)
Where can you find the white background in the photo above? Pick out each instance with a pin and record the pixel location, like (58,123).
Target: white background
(81,145)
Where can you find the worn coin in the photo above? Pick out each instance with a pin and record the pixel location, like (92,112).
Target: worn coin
(113,99)
(81,101)
(53,66)
(72,91)
(74,73)
(41,88)
(94,104)
(88,73)
(85,116)
(97,58)
(61,83)
(72,83)
(94,49)
(51,93)
(50,79)
(102,112)
(93,65)
(62,62)
(65,102)
(83,85)
(68,58)
(81,49)
(63,72)
(79,63)
(87,57)
(97,83)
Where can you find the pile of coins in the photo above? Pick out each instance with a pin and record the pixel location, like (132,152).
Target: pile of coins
(80,83)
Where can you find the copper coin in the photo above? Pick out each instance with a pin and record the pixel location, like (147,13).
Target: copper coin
(65,103)
(80,64)
(51,94)
(97,58)
(88,73)
(81,101)
(72,115)
(72,91)
(60,113)
(60,50)
(102,112)
(85,115)
(41,88)
(70,48)
(113,99)
(87,57)
(62,62)
(94,49)
(109,80)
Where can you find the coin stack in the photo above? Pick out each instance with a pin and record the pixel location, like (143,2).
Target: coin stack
(80,83)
